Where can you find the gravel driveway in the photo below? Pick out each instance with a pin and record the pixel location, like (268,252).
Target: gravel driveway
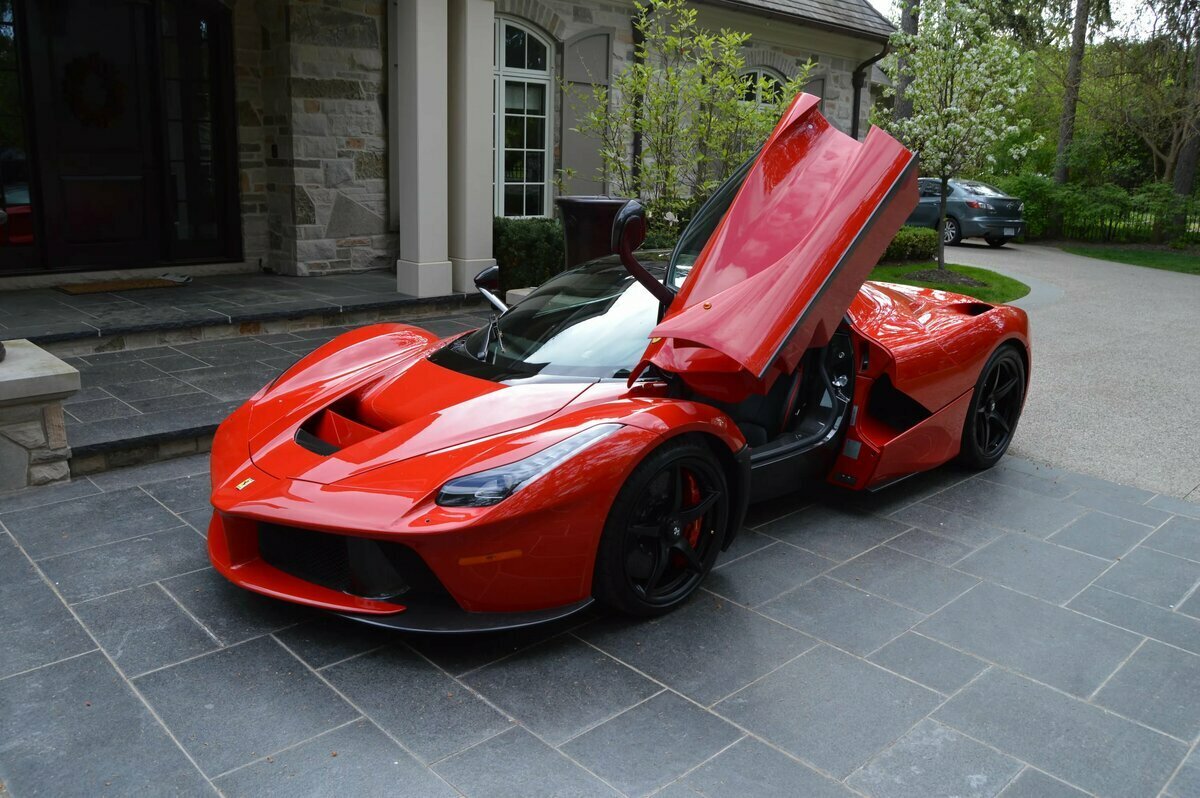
(1116,366)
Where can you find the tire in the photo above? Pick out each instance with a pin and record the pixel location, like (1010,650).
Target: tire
(952,232)
(655,550)
(996,241)
(995,409)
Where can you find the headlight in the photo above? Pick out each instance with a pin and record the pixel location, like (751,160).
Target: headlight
(497,484)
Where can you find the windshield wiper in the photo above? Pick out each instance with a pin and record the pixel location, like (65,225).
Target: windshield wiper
(493,328)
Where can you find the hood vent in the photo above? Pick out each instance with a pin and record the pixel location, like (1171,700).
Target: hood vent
(334,428)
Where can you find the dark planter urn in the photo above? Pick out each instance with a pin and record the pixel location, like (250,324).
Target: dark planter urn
(588,226)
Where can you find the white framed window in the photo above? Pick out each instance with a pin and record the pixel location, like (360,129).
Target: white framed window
(763,85)
(521,112)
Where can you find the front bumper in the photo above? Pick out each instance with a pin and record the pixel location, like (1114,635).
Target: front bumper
(526,560)
(381,583)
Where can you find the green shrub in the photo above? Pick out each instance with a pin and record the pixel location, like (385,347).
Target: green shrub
(661,238)
(911,244)
(1100,213)
(528,251)
(1043,198)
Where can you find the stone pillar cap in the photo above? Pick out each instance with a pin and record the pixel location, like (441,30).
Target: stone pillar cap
(29,373)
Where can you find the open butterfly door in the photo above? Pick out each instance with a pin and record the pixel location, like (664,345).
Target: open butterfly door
(810,221)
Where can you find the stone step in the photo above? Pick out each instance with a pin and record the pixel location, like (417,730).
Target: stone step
(209,308)
(157,402)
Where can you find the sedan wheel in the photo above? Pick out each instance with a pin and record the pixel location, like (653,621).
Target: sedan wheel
(995,409)
(664,531)
(951,233)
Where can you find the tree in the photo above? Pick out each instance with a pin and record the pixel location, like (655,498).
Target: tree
(910,20)
(966,80)
(684,94)
(1084,14)
(1148,84)
(1180,23)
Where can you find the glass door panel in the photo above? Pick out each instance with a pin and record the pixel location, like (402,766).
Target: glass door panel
(16,203)
(525,151)
(199,205)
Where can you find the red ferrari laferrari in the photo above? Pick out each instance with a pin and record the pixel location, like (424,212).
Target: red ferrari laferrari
(601,440)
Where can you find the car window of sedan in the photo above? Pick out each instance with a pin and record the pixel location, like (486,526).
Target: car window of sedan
(929,187)
(981,189)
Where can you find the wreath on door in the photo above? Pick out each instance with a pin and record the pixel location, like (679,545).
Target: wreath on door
(93,91)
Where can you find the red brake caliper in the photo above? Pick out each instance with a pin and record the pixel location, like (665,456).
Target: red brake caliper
(692,491)
(691,497)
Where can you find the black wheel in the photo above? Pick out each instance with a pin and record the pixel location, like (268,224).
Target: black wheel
(995,409)
(952,233)
(995,241)
(664,530)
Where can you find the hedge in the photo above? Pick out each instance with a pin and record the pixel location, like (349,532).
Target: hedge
(1103,213)
(912,244)
(528,251)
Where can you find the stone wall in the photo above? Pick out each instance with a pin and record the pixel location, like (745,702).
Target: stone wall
(778,45)
(774,44)
(33,445)
(312,115)
(33,430)
(312,122)
(249,35)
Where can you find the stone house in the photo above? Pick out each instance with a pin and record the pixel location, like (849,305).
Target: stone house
(317,136)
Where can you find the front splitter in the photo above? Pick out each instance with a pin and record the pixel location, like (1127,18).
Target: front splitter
(453,620)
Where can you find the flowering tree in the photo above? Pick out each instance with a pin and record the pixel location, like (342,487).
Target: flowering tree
(966,79)
(685,98)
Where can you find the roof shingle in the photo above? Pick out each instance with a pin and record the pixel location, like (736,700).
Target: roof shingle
(855,17)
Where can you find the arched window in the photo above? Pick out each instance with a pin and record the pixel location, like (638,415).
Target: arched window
(763,85)
(522,113)
(816,86)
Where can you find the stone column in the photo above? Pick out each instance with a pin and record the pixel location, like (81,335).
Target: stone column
(418,132)
(470,95)
(33,434)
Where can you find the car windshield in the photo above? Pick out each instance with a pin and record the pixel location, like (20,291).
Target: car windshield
(593,321)
(981,189)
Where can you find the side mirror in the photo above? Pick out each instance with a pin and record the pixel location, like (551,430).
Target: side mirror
(487,282)
(629,226)
(628,233)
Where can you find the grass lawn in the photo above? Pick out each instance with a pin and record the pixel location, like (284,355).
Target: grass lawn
(996,289)
(1171,260)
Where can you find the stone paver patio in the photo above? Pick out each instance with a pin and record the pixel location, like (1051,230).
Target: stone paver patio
(1023,632)
(161,390)
(45,314)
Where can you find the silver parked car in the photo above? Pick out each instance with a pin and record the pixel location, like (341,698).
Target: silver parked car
(973,210)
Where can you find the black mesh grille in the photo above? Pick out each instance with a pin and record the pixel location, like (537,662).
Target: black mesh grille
(358,566)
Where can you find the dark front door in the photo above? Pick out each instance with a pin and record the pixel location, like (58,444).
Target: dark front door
(16,209)
(92,91)
(130,110)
